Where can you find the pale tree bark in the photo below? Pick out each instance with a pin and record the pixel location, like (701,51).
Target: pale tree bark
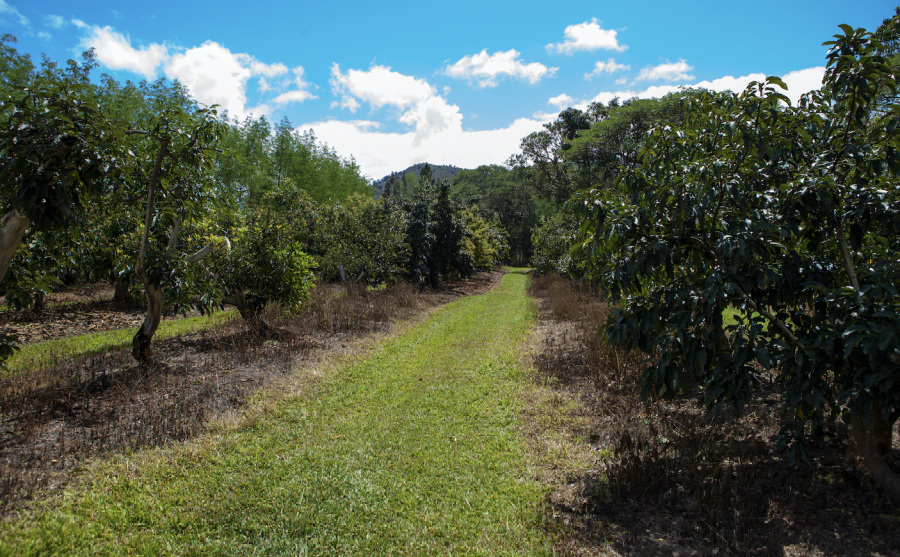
(12,229)
(141,341)
(344,276)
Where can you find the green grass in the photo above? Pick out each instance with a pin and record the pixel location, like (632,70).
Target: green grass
(42,354)
(414,450)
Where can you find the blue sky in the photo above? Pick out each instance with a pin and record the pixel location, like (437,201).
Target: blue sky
(393,84)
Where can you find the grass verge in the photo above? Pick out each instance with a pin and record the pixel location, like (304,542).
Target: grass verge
(415,450)
(44,354)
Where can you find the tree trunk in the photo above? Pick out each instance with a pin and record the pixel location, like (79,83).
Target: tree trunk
(250,310)
(12,229)
(237,299)
(121,294)
(141,341)
(874,443)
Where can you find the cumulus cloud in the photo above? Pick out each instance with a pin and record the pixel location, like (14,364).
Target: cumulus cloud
(293,96)
(668,72)
(587,36)
(45,35)
(798,82)
(561,101)
(803,81)
(608,67)
(486,68)
(211,72)
(114,51)
(379,86)
(380,153)
(12,13)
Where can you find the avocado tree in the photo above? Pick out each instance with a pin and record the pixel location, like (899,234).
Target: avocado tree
(435,233)
(57,152)
(173,171)
(365,238)
(788,214)
(262,263)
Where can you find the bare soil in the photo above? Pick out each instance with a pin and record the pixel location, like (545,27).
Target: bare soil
(55,421)
(669,478)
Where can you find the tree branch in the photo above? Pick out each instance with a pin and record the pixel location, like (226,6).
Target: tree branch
(148,218)
(197,257)
(173,236)
(845,253)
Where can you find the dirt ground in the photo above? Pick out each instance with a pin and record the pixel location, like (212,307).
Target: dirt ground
(668,478)
(55,421)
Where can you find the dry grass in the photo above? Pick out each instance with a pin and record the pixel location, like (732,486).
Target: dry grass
(56,420)
(668,478)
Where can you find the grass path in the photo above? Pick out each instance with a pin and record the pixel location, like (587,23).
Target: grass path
(414,450)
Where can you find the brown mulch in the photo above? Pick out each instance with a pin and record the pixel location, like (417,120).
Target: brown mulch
(55,421)
(668,478)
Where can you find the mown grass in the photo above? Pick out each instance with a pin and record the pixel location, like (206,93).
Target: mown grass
(43,354)
(415,450)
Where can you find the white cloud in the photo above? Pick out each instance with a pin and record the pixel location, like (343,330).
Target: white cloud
(45,36)
(587,36)
(486,68)
(608,67)
(6,9)
(267,70)
(802,81)
(293,97)
(545,116)
(347,102)
(378,153)
(211,72)
(561,101)
(379,86)
(668,72)
(622,81)
(55,21)
(798,82)
(422,107)
(431,116)
(215,75)
(114,51)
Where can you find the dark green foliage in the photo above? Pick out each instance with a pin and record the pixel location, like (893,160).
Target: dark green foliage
(788,214)
(438,173)
(615,137)
(58,151)
(501,198)
(435,233)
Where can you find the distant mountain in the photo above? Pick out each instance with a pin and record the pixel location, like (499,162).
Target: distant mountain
(438,173)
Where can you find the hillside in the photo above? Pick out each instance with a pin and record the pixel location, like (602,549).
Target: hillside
(439,172)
